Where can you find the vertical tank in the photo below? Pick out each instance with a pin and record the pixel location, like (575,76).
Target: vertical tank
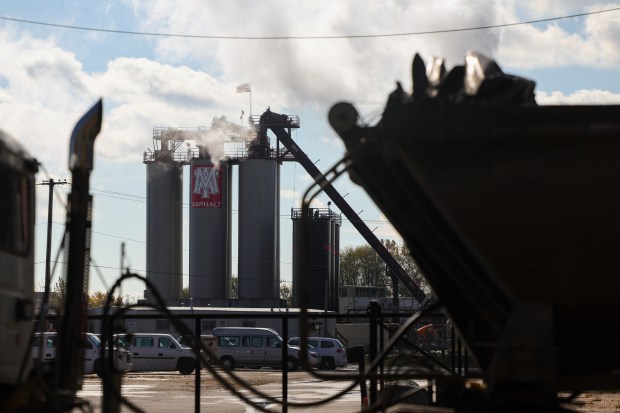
(164,232)
(336,224)
(259,227)
(322,284)
(209,229)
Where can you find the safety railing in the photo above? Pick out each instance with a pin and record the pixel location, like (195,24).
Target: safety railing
(408,356)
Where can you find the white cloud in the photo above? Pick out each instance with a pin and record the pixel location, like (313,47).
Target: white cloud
(528,47)
(317,203)
(316,73)
(289,194)
(43,93)
(579,97)
(593,41)
(45,90)
(333,141)
(49,86)
(305,178)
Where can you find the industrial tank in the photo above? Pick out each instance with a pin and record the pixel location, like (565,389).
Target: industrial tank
(259,246)
(209,229)
(336,222)
(164,241)
(324,230)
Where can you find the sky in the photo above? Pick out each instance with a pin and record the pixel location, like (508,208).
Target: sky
(51,75)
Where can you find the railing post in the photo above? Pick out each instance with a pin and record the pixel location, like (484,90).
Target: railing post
(197,346)
(285,364)
(374,310)
(381,366)
(459,356)
(452,350)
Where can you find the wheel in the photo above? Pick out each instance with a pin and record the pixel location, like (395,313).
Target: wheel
(186,366)
(228,363)
(328,363)
(292,364)
(97,368)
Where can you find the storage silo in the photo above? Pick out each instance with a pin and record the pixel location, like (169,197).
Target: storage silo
(259,228)
(335,251)
(164,232)
(209,230)
(322,283)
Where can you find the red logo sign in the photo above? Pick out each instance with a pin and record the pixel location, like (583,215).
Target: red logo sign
(206,187)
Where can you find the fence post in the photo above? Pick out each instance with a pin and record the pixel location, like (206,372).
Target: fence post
(381,337)
(374,310)
(197,346)
(452,350)
(285,364)
(459,356)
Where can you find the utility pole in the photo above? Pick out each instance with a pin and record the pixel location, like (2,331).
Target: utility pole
(51,183)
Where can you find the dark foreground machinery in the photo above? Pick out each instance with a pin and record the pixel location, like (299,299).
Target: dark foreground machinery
(44,387)
(512,211)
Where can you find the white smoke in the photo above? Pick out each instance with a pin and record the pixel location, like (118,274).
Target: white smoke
(223,139)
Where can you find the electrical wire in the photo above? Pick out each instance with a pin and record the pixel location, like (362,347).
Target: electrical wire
(324,37)
(141,199)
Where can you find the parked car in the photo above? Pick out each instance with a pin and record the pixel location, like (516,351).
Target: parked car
(256,347)
(92,352)
(157,352)
(331,352)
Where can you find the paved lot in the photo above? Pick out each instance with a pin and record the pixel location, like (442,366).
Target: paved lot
(173,392)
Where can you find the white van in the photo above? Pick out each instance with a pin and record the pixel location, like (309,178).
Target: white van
(330,350)
(255,347)
(46,348)
(157,352)
(208,341)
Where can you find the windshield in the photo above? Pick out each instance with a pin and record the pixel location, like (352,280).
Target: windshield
(121,341)
(95,340)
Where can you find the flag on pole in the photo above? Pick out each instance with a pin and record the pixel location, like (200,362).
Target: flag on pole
(244,88)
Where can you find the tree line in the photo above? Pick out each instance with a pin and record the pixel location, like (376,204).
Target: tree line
(361,266)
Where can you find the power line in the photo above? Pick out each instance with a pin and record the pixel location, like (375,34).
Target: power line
(326,37)
(142,199)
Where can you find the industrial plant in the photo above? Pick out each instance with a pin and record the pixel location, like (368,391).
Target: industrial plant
(219,152)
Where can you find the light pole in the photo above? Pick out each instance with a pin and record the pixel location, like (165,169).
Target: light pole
(48,252)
